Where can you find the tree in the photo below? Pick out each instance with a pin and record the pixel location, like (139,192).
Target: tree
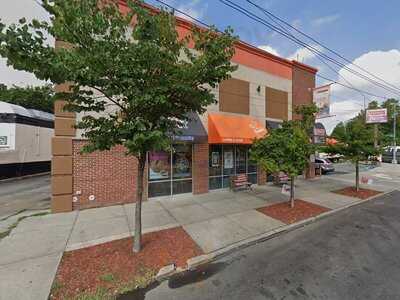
(307,115)
(35,97)
(385,130)
(355,143)
(142,79)
(285,149)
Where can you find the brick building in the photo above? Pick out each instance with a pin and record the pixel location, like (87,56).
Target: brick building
(262,92)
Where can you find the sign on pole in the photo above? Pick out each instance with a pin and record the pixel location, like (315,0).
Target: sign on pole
(319,133)
(321,96)
(375,116)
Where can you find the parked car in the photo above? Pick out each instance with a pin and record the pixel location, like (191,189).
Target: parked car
(324,164)
(331,157)
(387,155)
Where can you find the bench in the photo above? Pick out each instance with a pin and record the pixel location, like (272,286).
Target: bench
(240,181)
(281,178)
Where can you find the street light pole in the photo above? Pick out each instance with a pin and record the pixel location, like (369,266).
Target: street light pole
(394,161)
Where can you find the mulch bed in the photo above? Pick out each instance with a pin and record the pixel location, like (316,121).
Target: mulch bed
(361,194)
(302,210)
(113,267)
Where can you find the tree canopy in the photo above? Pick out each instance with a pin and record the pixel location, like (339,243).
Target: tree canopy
(35,97)
(134,78)
(307,115)
(355,143)
(385,135)
(286,149)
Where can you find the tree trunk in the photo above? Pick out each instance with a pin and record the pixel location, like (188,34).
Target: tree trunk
(292,192)
(357,176)
(137,242)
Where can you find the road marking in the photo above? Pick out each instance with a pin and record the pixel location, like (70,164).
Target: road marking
(383,176)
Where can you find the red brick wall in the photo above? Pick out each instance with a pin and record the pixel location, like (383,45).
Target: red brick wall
(200,168)
(303,83)
(261,176)
(108,175)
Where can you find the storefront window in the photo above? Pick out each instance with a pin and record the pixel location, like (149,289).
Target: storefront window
(228,160)
(170,172)
(159,166)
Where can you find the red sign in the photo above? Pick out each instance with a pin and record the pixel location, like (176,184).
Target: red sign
(376,116)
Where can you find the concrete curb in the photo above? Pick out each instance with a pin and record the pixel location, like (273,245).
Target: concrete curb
(25,177)
(165,272)
(196,261)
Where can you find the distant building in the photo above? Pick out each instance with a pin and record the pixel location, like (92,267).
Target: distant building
(25,140)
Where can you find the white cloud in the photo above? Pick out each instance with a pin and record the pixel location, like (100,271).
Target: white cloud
(193,9)
(325,20)
(384,64)
(269,49)
(342,111)
(304,54)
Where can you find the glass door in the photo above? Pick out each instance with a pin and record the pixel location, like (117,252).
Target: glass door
(182,169)
(215,167)
(228,160)
(228,164)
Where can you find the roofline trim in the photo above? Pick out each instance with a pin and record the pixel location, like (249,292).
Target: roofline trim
(241,44)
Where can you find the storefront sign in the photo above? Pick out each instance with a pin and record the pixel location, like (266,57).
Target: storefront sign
(228,160)
(374,116)
(183,138)
(321,97)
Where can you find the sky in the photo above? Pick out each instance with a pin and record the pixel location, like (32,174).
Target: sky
(360,30)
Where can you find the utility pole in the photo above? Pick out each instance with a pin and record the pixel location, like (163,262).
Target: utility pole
(394,161)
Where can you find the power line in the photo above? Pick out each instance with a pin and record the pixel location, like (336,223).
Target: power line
(349,87)
(318,75)
(256,18)
(320,44)
(319,58)
(296,40)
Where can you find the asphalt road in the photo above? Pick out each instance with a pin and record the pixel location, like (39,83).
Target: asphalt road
(24,194)
(354,254)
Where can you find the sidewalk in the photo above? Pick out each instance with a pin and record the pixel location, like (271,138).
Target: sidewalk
(29,256)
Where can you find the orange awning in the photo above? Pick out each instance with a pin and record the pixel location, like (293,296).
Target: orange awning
(229,129)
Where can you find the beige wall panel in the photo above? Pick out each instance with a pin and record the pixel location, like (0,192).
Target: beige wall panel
(64,127)
(61,184)
(61,146)
(59,110)
(61,165)
(62,203)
